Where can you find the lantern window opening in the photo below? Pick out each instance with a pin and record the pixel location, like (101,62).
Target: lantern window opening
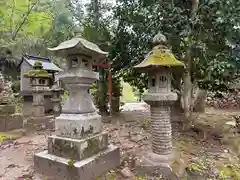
(163,79)
(153,82)
(85,63)
(33,81)
(42,81)
(74,62)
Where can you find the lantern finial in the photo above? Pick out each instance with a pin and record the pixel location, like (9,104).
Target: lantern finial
(159,39)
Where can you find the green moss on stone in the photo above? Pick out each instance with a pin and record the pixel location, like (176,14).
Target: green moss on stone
(160,56)
(40,73)
(93,147)
(37,65)
(71,163)
(65,148)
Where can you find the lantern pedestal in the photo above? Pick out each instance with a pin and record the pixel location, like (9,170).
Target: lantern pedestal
(90,157)
(39,123)
(161,158)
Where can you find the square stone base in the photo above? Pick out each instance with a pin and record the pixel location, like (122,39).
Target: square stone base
(39,123)
(59,168)
(168,166)
(77,149)
(11,122)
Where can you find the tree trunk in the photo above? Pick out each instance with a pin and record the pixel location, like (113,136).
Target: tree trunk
(199,103)
(187,88)
(188,85)
(115,108)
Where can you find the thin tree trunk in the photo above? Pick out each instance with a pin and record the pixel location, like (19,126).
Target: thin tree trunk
(188,85)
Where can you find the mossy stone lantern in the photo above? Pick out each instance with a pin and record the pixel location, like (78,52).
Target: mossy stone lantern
(39,80)
(159,64)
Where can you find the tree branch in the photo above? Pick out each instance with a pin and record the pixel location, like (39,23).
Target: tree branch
(11,17)
(30,8)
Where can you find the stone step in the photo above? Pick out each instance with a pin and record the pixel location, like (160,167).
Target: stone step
(77,149)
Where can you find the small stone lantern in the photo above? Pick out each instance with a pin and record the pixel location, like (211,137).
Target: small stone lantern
(159,64)
(39,80)
(80,148)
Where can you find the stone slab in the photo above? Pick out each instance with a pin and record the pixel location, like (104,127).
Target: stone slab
(7,109)
(11,122)
(77,149)
(165,166)
(39,123)
(59,168)
(78,125)
(160,98)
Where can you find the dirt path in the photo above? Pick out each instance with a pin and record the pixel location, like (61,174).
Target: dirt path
(126,131)
(16,157)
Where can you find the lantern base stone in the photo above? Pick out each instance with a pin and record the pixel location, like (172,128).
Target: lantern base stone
(77,149)
(39,123)
(78,125)
(87,169)
(150,164)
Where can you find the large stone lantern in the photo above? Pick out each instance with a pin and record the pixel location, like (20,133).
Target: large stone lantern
(80,148)
(159,65)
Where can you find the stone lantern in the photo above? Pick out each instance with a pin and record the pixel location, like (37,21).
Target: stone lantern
(159,64)
(80,148)
(39,80)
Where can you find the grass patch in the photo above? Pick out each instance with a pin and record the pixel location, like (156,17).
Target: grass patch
(127,94)
(5,136)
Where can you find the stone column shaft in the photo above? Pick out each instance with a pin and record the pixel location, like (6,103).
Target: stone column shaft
(38,104)
(161,130)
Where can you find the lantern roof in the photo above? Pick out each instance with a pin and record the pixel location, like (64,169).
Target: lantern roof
(160,55)
(38,71)
(78,45)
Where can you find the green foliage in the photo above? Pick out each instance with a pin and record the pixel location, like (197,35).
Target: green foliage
(116,87)
(19,104)
(15,86)
(230,171)
(212,39)
(64,97)
(71,163)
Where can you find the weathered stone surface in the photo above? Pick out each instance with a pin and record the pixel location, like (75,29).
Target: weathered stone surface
(77,149)
(78,125)
(153,164)
(78,81)
(88,169)
(7,109)
(10,122)
(39,123)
